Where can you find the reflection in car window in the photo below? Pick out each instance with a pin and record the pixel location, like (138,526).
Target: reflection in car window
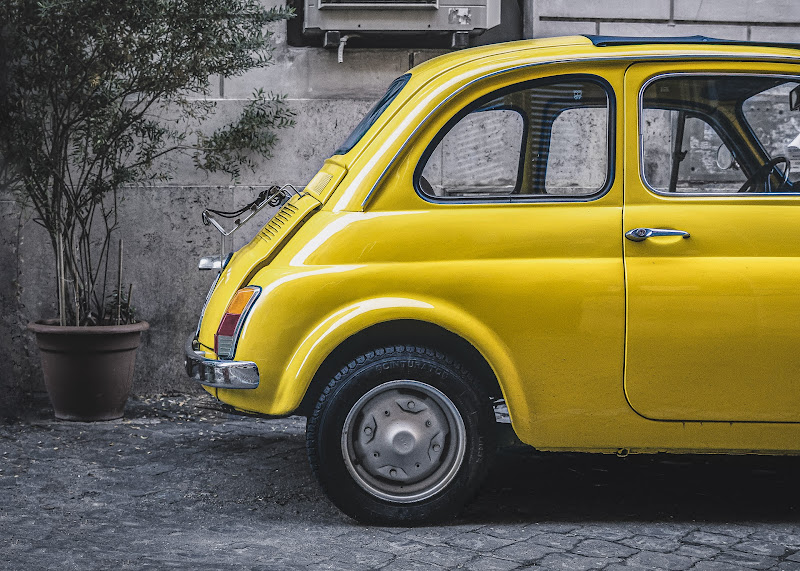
(719,134)
(372,115)
(534,140)
(697,170)
(775,125)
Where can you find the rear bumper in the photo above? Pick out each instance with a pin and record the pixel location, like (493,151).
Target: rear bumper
(218,373)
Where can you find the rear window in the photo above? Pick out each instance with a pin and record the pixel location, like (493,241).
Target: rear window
(373,114)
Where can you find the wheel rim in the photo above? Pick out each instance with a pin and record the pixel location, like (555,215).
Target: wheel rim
(403,441)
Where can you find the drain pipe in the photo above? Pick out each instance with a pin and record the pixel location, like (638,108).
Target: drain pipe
(342,42)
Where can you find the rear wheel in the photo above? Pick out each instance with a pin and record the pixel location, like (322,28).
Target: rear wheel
(401,435)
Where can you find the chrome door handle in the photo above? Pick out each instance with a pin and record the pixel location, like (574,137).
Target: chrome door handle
(641,234)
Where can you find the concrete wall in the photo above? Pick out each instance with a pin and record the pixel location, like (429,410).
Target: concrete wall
(161,224)
(758,20)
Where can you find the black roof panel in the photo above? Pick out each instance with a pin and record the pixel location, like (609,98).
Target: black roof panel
(604,41)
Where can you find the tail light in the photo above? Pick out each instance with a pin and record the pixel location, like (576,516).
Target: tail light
(232,322)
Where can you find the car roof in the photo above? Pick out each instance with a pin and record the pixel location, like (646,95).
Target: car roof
(589,47)
(605,41)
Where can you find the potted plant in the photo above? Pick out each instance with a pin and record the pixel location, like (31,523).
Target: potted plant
(93,95)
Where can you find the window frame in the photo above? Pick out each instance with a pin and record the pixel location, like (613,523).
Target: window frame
(524,198)
(374,113)
(708,119)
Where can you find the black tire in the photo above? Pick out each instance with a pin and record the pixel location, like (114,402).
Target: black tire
(436,446)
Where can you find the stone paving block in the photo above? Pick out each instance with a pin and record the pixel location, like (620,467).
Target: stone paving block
(670,561)
(572,562)
(484,563)
(734,530)
(363,556)
(607,532)
(779,537)
(394,545)
(697,551)
(746,560)
(757,547)
(601,548)
(517,532)
(788,566)
(649,543)
(406,564)
(478,541)
(655,529)
(442,555)
(557,540)
(713,566)
(436,535)
(551,527)
(525,551)
(713,539)
(626,567)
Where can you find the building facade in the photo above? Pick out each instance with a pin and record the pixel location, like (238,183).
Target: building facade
(162,225)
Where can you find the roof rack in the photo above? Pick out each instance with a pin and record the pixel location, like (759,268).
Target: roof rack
(605,41)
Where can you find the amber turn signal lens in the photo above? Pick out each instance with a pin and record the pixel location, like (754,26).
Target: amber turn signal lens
(231,323)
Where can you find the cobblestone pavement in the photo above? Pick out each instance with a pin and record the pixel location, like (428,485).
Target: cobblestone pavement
(176,485)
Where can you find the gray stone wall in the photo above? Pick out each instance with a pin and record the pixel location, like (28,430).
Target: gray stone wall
(758,20)
(161,224)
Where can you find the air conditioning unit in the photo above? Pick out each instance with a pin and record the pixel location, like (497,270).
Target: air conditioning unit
(462,18)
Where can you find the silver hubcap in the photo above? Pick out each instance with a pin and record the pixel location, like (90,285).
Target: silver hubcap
(403,441)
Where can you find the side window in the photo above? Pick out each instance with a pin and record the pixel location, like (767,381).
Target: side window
(721,134)
(775,124)
(545,138)
(479,156)
(701,161)
(578,159)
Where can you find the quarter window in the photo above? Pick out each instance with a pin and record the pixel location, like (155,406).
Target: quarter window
(541,139)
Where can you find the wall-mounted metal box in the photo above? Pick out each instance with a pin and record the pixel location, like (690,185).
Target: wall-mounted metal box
(400,16)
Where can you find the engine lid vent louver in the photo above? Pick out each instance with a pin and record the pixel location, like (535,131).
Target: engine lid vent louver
(273,228)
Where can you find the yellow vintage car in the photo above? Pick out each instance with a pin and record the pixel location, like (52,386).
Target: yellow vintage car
(600,233)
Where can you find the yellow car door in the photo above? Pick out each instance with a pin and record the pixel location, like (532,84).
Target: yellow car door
(712,248)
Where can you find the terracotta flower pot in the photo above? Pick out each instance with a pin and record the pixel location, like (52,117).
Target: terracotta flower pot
(88,371)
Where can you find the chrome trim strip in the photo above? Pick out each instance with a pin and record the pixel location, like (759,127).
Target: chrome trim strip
(210,263)
(642,234)
(218,373)
(743,58)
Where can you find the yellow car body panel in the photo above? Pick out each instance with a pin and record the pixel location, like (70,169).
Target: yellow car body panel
(716,315)
(592,345)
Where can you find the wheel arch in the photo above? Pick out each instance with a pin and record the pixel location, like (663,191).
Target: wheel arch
(402,331)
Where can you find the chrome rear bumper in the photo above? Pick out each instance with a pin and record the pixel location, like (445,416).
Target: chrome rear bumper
(218,373)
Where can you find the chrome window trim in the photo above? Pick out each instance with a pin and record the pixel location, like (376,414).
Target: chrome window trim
(721,195)
(612,135)
(741,58)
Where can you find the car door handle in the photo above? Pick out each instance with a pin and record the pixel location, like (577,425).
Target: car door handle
(641,234)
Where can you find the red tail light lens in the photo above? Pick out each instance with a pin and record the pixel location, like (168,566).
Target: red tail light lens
(232,322)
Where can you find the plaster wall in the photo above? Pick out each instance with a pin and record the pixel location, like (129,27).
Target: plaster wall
(161,223)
